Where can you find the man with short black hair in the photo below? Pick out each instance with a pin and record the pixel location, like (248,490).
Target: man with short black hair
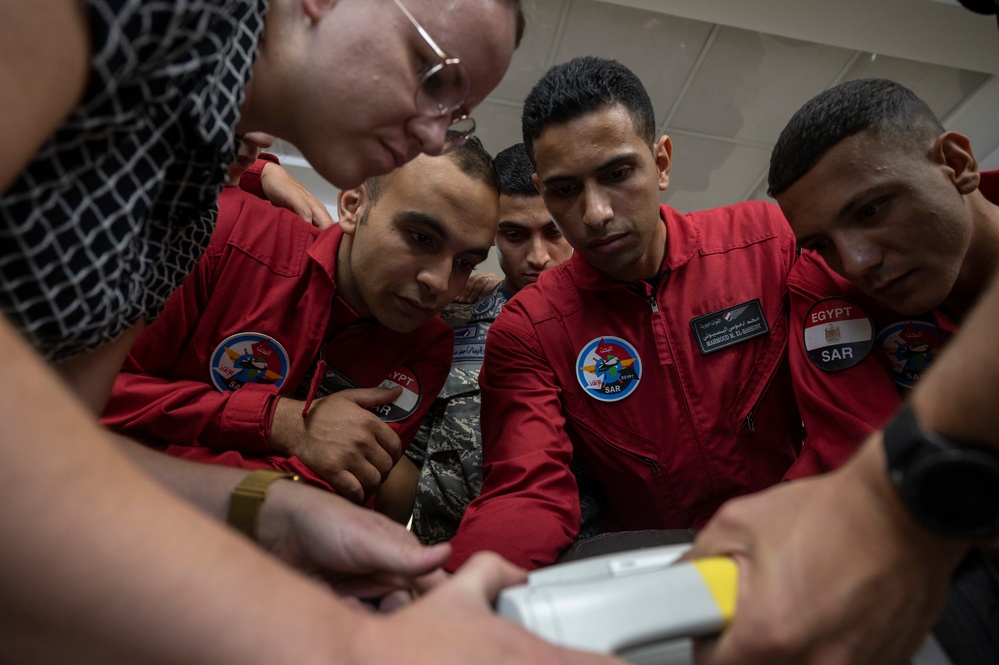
(655,358)
(327,369)
(899,233)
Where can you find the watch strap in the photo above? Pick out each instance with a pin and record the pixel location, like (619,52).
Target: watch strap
(249,495)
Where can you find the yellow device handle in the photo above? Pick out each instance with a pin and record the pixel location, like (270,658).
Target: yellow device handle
(722,579)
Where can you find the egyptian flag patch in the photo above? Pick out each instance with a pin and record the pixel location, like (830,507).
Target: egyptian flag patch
(407,402)
(911,347)
(838,334)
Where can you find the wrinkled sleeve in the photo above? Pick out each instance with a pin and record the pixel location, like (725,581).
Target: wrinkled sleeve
(528,510)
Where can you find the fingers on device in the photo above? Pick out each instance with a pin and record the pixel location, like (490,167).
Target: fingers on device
(636,604)
(639,605)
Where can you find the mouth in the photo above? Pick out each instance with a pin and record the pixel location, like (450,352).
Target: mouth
(608,244)
(416,308)
(393,157)
(530,278)
(886,289)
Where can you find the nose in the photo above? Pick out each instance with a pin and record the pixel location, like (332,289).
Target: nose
(435,277)
(598,209)
(858,257)
(429,133)
(537,255)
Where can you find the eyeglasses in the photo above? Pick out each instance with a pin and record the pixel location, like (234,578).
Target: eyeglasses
(442,91)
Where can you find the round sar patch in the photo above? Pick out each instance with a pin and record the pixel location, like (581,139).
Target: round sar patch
(608,368)
(407,402)
(911,347)
(248,357)
(838,333)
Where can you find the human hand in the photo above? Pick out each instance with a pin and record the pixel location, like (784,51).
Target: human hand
(454,624)
(476,287)
(284,191)
(357,551)
(831,570)
(340,439)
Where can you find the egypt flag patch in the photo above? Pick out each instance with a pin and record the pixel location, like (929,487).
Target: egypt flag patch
(838,334)
(407,402)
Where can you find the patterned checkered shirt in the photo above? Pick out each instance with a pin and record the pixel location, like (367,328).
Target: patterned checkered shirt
(117,207)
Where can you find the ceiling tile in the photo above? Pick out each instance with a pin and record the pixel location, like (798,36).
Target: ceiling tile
(660,49)
(530,60)
(708,173)
(498,125)
(750,83)
(942,88)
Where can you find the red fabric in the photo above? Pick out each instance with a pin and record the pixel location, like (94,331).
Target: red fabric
(250,180)
(265,271)
(667,455)
(841,409)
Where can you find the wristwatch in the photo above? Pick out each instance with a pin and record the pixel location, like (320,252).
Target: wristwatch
(247,498)
(951,489)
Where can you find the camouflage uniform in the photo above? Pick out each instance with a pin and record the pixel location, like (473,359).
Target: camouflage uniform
(448,445)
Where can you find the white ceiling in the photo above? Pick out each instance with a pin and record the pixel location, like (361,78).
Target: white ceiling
(726,75)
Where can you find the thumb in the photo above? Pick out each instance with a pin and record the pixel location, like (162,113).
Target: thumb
(486,573)
(369,397)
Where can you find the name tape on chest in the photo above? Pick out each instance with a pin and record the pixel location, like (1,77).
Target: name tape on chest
(726,327)
(838,333)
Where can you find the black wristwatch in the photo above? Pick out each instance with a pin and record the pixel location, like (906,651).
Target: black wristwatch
(950,489)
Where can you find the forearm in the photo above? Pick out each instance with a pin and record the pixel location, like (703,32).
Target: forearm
(188,413)
(100,564)
(957,397)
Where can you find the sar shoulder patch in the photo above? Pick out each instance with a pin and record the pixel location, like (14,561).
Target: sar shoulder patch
(911,347)
(838,333)
(248,357)
(608,368)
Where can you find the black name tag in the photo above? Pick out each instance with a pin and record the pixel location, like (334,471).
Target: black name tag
(721,329)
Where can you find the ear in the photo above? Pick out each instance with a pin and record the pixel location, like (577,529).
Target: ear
(350,205)
(315,9)
(662,152)
(953,150)
(537,182)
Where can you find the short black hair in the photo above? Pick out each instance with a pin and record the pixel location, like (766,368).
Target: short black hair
(514,169)
(886,108)
(581,86)
(471,157)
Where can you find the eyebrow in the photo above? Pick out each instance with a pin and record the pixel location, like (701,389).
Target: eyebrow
(858,198)
(434,225)
(613,161)
(510,225)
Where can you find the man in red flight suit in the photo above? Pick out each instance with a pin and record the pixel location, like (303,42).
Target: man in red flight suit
(655,356)
(315,352)
(900,236)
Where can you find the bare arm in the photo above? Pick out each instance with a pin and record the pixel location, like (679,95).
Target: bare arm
(100,564)
(44,54)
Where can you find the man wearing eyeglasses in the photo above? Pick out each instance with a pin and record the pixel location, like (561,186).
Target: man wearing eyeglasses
(118,120)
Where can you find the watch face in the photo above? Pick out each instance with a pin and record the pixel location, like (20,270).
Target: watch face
(955,492)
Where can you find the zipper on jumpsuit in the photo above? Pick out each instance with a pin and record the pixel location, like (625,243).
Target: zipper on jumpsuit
(654,304)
